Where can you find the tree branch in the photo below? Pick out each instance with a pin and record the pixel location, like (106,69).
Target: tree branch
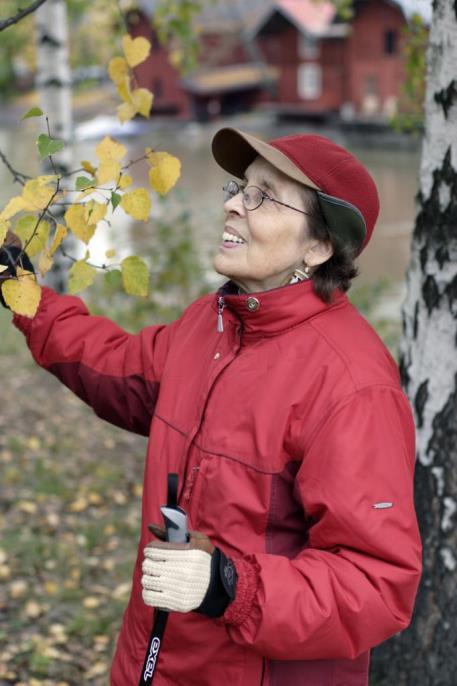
(21,14)
(17,176)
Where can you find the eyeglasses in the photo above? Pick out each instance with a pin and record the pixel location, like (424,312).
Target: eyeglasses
(253,196)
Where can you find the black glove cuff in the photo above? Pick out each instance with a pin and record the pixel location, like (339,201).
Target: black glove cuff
(12,256)
(222,586)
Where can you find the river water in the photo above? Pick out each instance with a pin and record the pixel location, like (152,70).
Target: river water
(394,166)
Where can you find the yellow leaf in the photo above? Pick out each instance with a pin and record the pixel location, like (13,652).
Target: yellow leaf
(125,181)
(126,112)
(124,90)
(77,220)
(81,503)
(135,276)
(3,268)
(110,253)
(5,572)
(136,50)
(45,262)
(26,227)
(59,235)
(51,587)
(137,203)
(18,588)
(88,167)
(110,150)
(90,602)
(37,193)
(33,609)
(81,275)
(110,153)
(118,69)
(142,101)
(176,58)
(14,206)
(4,227)
(165,171)
(97,669)
(22,295)
(94,211)
(27,506)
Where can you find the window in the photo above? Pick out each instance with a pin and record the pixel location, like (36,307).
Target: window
(309,84)
(308,47)
(157,88)
(390,42)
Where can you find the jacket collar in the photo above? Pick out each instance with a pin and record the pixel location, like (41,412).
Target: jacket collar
(271,312)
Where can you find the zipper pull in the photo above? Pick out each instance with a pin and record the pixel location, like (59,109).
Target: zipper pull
(220,310)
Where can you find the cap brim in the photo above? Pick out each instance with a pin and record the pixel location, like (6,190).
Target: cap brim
(234,151)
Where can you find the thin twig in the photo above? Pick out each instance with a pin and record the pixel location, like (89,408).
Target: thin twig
(17,176)
(21,14)
(42,215)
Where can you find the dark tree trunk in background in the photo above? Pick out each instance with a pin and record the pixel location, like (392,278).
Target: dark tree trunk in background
(426,653)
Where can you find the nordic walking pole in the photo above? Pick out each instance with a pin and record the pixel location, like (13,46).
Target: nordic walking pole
(176,527)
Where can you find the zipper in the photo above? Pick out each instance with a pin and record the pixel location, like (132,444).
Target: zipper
(220,310)
(190,484)
(263,672)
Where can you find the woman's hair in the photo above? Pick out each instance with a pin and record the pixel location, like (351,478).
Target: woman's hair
(339,270)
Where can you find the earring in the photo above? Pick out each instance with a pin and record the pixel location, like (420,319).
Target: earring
(300,275)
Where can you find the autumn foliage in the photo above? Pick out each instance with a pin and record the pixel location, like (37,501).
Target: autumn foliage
(97,192)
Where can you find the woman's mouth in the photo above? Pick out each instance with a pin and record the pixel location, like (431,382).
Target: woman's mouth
(229,240)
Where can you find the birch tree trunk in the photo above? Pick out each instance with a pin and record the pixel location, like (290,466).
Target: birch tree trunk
(54,84)
(426,653)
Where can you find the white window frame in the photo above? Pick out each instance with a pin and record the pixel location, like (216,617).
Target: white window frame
(309,81)
(309,47)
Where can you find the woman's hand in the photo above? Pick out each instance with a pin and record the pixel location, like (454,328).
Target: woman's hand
(176,576)
(182,577)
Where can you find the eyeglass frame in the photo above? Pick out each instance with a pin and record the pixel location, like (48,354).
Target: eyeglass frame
(264,196)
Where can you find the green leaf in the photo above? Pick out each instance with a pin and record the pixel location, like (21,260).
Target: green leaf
(34,112)
(83,182)
(113,280)
(135,276)
(81,275)
(115,199)
(48,146)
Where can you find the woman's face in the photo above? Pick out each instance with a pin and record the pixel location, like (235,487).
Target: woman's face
(275,238)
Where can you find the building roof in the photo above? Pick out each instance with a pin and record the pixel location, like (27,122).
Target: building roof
(308,16)
(234,77)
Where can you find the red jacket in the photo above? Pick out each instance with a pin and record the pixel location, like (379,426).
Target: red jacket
(295,448)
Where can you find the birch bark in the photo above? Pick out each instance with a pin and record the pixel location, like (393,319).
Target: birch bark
(54,84)
(426,653)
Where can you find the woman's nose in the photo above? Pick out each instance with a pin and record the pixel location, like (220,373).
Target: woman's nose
(235,204)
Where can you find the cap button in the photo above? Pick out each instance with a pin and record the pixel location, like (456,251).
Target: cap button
(252,304)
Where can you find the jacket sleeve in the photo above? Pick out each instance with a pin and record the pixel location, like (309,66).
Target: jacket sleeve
(116,373)
(355,583)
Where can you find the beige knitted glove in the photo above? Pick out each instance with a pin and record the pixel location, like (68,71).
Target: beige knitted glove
(176,576)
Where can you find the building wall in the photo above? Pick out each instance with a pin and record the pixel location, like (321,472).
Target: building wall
(301,66)
(158,75)
(374,76)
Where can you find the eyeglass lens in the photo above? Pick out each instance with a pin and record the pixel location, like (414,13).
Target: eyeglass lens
(252,196)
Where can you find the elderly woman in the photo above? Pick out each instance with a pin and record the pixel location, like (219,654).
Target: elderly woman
(282,413)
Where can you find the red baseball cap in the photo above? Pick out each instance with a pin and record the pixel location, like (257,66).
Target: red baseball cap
(345,190)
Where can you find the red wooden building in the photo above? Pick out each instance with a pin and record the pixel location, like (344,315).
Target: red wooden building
(296,56)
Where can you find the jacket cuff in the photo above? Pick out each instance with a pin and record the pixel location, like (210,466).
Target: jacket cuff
(246,588)
(222,586)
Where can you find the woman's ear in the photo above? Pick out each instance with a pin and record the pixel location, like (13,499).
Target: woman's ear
(318,253)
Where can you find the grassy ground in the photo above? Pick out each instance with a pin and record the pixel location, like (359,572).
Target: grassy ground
(70,512)
(69,523)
